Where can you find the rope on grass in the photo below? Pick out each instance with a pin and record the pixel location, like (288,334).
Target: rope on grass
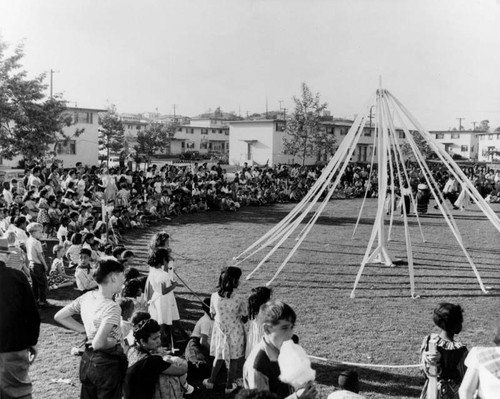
(369,365)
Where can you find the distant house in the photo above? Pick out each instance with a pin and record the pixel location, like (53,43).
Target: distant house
(84,148)
(203,135)
(489,147)
(261,142)
(459,142)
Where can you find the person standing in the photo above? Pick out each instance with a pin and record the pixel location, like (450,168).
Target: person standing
(103,363)
(19,331)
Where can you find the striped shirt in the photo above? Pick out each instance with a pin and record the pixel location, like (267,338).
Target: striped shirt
(95,310)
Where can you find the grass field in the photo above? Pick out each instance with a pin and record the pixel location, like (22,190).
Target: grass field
(382,325)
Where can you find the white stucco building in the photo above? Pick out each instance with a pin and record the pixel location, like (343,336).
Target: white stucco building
(459,142)
(203,135)
(261,141)
(489,147)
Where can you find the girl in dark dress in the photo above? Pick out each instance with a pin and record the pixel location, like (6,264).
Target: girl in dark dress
(450,355)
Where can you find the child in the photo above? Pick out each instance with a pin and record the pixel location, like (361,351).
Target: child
(228,336)
(38,266)
(83,274)
(255,332)
(198,348)
(159,293)
(62,232)
(133,289)
(17,258)
(73,252)
(451,354)
(261,369)
(57,276)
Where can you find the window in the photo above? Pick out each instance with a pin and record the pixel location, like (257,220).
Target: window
(183,144)
(455,135)
(138,127)
(220,131)
(368,132)
(498,136)
(190,145)
(471,148)
(203,145)
(490,137)
(280,127)
(464,148)
(330,130)
(439,135)
(204,131)
(180,129)
(401,134)
(343,131)
(84,117)
(226,132)
(67,148)
(481,137)
(214,130)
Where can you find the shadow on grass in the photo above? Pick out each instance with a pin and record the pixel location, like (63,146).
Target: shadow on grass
(372,381)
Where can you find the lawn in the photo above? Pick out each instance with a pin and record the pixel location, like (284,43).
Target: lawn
(382,325)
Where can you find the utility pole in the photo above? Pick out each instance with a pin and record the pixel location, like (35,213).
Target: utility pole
(474,125)
(52,72)
(267,111)
(174,110)
(281,102)
(284,114)
(460,123)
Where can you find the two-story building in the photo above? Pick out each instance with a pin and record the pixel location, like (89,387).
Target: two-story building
(261,142)
(489,147)
(459,142)
(203,135)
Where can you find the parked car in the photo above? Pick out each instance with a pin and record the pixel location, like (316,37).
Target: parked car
(190,156)
(9,174)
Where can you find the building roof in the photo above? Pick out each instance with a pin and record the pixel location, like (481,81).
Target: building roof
(458,131)
(86,109)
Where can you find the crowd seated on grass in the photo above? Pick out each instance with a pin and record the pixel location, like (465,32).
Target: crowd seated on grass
(87,209)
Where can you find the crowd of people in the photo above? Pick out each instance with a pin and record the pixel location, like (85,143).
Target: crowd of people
(129,319)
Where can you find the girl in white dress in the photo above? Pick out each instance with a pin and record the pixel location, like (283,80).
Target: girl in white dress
(160,295)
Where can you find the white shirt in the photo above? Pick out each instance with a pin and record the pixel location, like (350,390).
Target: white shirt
(489,385)
(343,394)
(203,326)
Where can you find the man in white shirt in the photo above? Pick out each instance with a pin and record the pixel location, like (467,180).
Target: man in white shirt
(7,195)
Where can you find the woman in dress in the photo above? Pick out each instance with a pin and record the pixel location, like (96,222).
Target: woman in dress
(109,184)
(228,334)
(159,293)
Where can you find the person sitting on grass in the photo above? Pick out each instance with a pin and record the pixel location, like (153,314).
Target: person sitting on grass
(261,370)
(152,373)
(198,347)
(449,354)
(84,273)
(57,276)
(348,386)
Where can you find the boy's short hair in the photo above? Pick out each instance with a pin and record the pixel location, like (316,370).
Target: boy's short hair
(105,267)
(85,251)
(32,227)
(125,304)
(56,249)
(127,254)
(273,311)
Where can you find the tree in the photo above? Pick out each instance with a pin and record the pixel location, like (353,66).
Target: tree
(30,123)
(303,135)
(111,132)
(484,126)
(156,137)
(422,145)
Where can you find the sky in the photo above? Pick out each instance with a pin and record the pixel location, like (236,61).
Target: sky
(440,58)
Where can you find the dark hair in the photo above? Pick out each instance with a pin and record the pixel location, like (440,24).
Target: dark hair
(258,297)
(449,317)
(85,251)
(125,304)
(145,328)
(76,239)
(87,237)
(228,281)
(255,394)
(139,316)
(348,380)
(18,221)
(274,311)
(127,254)
(132,273)
(106,267)
(158,257)
(131,288)
(117,251)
